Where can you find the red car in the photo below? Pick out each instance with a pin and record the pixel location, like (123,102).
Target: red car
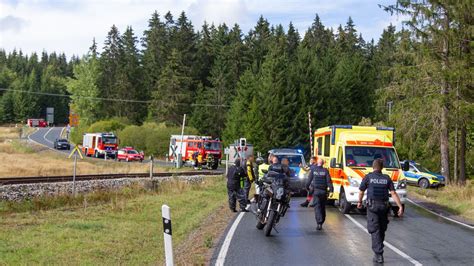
(129,154)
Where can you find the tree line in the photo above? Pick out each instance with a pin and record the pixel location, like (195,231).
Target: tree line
(263,84)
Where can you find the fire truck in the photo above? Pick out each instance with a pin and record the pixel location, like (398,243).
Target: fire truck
(36,122)
(207,149)
(100,145)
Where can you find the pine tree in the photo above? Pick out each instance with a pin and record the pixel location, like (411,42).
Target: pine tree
(246,91)
(129,84)
(205,54)
(172,98)
(109,70)
(258,41)
(293,41)
(155,52)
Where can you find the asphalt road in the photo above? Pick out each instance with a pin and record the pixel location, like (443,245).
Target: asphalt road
(46,136)
(418,237)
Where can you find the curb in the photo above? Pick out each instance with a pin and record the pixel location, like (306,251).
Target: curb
(457,221)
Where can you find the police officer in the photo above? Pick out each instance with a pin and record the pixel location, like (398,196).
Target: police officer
(235,184)
(320,180)
(378,186)
(309,197)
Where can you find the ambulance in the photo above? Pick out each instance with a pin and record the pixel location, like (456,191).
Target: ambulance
(349,152)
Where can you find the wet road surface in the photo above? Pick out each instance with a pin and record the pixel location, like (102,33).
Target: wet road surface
(419,236)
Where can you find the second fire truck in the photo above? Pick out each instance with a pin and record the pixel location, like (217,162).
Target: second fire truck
(206,149)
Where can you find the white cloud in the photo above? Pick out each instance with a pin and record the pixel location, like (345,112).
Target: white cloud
(225,11)
(12,23)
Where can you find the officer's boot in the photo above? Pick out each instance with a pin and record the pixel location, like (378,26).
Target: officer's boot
(319,227)
(304,204)
(378,258)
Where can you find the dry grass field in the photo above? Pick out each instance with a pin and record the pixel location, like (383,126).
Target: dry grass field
(20,158)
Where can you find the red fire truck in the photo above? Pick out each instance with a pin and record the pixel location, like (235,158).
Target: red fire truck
(36,122)
(208,149)
(100,145)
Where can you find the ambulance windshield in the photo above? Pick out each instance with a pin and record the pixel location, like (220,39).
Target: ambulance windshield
(213,146)
(365,156)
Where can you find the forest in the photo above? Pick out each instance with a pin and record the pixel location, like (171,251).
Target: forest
(262,84)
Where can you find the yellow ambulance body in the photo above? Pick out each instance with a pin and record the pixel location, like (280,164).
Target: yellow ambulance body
(348,152)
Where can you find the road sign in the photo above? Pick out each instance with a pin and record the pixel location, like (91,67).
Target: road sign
(226,151)
(76,151)
(50,115)
(74,120)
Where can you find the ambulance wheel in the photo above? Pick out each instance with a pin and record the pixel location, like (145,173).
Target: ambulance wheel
(424,183)
(214,166)
(344,206)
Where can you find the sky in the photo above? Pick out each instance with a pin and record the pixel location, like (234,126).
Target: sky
(70,25)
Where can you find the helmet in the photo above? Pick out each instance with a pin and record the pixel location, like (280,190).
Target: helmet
(259,160)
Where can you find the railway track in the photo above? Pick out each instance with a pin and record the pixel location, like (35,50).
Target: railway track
(54,179)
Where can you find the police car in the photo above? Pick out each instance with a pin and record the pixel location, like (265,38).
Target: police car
(422,177)
(298,167)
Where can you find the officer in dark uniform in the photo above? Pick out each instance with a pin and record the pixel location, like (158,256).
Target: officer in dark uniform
(235,186)
(378,186)
(320,180)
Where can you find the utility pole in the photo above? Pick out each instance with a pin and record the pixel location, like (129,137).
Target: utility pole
(310,135)
(180,157)
(389,104)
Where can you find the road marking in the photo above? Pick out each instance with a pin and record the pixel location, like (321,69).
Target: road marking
(390,246)
(44,136)
(225,246)
(37,129)
(442,216)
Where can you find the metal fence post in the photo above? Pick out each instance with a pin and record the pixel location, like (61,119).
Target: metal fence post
(151,166)
(167,235)
(74,176)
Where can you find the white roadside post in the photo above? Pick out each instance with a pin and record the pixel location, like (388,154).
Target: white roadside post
(167,235)
(75,152)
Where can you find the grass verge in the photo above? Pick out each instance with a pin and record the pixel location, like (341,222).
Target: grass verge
(458,200)
(122,227)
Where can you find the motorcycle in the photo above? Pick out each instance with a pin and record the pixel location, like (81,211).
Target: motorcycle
(273,202)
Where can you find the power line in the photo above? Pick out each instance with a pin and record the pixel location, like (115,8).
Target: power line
(112,99)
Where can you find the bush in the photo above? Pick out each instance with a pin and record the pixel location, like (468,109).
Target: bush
(151,137)
(113,125)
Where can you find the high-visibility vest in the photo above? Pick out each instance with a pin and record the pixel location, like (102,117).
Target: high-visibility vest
(262,167)
(250,171)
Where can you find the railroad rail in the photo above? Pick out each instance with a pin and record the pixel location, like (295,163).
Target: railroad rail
(54,179)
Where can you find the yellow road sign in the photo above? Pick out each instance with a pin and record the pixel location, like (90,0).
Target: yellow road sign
(76,149)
